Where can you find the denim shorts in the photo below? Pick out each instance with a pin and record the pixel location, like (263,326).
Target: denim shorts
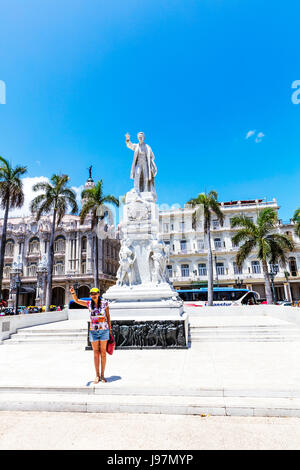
(99,335)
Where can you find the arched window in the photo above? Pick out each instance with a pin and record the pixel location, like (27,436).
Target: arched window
(6,270)
(59,268)
(9,248)
(34,245)
(32,270)
(60,244)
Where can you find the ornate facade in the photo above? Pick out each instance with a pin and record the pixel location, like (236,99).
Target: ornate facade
(26,259)
(187,266)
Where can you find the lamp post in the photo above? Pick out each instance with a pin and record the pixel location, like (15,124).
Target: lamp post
(272,275)
(217,280)
(18,285)
(239,282)
(76,287)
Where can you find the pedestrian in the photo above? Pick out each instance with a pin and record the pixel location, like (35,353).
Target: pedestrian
(100,328)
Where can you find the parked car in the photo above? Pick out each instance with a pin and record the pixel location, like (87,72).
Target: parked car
(8,311)
(52,308)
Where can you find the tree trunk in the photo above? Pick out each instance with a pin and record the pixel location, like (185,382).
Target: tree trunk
(96,258)
(268,288)
(3,242)
(50,264)
(210,279)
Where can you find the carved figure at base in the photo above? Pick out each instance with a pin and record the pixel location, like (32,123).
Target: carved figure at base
(127,259)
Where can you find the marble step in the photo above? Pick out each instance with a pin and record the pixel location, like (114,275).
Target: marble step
(158,404)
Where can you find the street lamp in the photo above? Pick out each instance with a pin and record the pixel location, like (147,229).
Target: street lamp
(272,275)
(239,282)
(18,285)
(217,280)
(76,287)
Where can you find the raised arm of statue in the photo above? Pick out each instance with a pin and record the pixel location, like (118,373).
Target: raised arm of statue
(129,144)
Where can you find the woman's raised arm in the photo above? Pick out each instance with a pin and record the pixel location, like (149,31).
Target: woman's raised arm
(75,298)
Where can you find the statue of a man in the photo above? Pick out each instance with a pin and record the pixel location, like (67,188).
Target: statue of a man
(143,169)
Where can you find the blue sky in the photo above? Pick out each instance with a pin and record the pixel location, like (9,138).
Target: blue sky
(198,77)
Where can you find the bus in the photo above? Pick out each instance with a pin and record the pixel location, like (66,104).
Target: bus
(73,305)
(222,296)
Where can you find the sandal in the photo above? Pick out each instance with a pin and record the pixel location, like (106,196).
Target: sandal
(97,380)
(103,379)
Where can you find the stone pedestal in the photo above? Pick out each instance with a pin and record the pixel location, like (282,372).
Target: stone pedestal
(143,292)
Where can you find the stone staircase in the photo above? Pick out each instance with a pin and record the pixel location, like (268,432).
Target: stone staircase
(58,333)
(244,333)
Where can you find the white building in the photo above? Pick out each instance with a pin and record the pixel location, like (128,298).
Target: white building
(188,254)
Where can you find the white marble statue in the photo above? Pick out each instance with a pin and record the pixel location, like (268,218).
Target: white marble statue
(127,259)
(159,258)
(143,169)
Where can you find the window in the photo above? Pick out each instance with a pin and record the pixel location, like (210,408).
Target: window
(34,245)
(183,246)
(59,245)
(169,271)
(202,269)
(200,245)
(220,269)
(9,248)
(293,266)
(185,270)
(215,224)
(59,268)
(218,243)
(32,270)
(255,267)
(6,270)
(274,268)
(237,269)
(166,228)
(83,243)
(182,226)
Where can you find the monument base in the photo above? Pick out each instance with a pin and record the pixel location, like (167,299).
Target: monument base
(147,315)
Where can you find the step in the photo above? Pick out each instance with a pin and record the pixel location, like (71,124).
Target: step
(245,338)
(187,405)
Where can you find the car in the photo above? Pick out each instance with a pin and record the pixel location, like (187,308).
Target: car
(52,308)
(8,311)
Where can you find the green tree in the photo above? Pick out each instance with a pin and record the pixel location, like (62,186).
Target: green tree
(207,204)
(271,247)
(94,203)
(11,196)
(296,219)
(56,198)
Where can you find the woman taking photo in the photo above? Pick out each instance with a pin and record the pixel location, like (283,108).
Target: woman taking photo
(100,327)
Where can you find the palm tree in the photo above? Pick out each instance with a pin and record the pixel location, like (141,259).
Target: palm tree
(11,196)
(271,247)
(95,204)
(208,204)
(296,218)
(56,198)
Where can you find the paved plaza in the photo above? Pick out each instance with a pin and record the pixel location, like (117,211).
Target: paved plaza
(240,364)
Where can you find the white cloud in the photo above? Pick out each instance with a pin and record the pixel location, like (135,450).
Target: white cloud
(249,134)
(259,136)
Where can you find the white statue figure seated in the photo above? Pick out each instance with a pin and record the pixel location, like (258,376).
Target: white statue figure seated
(127,259)
(143,169)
